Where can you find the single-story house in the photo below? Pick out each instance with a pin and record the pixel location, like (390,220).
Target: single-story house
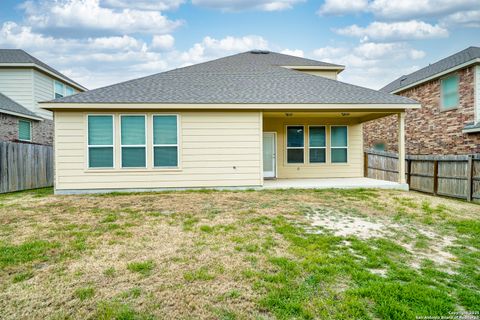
(226,123)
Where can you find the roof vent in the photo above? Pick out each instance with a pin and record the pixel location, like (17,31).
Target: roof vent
(260,51)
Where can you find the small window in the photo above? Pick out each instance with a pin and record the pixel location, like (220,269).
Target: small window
(69,91)
(449,89)
(317,144)
(295,144)
(59,90)
(133,141)
(380,146)
(24,130)
(100,141)
(165,141)
(339,144)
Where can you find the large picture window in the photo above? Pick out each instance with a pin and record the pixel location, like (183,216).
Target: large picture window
(339,144)
(449,89)
(133,141)
(295,144)
(317,144)
(165,141)
(100,141)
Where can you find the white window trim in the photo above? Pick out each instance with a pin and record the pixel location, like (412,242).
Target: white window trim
(346,147)
(293,148)
(134,145)
(166,145)
(310,147)
(31,133)
(442,107)
(64,93)
(101,146)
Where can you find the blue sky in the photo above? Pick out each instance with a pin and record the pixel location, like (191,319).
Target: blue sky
(100,42)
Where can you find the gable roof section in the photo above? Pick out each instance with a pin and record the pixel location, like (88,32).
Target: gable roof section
(19,57)
(9,106)
(247,78)
(459,59)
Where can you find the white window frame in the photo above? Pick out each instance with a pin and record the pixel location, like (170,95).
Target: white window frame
(346,147)
(135,145)
(292,148)
(31,133)
(64,93)
(166,145)
(442,107)
(310,147)
(101,146)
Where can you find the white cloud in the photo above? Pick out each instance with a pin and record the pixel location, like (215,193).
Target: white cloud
(87,15)
(239,5)
(339,7)
(163,42)
(156,5)
(294,52)
(370,64)
(406,30)
(469,19)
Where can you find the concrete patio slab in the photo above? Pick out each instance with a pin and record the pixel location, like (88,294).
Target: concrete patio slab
(335,183)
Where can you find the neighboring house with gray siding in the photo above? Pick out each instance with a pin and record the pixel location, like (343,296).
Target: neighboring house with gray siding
(25,81)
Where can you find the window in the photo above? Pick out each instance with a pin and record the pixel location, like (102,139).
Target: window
(100,141)
(380,146)
(449,89)
(61,90)
(165,141)
(24,130)
(339,144)
(317,144)
(295,144)
(133,141)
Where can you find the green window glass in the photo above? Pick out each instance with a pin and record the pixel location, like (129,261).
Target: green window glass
(100,141)
(133,141)
(339,144)
(450,92)
(317,144)
(24,130)
(295,144)
(59,90)
(165,141)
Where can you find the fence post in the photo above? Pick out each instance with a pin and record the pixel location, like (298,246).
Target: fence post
(365,164)
(409,169)
(469,178)
(435,177)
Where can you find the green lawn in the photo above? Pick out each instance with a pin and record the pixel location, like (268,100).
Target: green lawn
(291,254)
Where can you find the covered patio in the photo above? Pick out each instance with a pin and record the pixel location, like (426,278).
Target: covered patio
(333,183)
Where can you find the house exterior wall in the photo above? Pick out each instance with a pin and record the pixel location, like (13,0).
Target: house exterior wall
(43,91)
(353,168)
(217,149)
(429,130)
(42,131)
(17,84)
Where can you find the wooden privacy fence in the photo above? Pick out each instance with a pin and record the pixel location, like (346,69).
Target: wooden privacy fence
(451,176)
(25,166)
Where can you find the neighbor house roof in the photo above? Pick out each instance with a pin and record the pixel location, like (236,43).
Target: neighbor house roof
(18,57)
(9,106)
(456,61)
(254,77)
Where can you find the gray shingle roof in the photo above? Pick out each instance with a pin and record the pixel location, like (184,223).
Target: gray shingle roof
(20,56)
(247,77)
(452,61)
(7,104)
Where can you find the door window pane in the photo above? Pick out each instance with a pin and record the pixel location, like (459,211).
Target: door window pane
(24,130)
(100,141)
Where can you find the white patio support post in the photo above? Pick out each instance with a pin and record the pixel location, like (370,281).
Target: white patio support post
(401,148)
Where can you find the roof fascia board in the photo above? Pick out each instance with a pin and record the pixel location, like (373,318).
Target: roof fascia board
(137,106)
(438,75)
(340,68)
(36,66)
(17,114)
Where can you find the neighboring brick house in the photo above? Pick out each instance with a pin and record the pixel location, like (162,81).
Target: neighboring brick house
(448,121)
(25,81)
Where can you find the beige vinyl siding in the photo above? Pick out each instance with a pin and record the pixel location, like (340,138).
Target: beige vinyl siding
(353,168)
(217,149)
(17,84)
(477,93)
(331,74)
(43,91)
